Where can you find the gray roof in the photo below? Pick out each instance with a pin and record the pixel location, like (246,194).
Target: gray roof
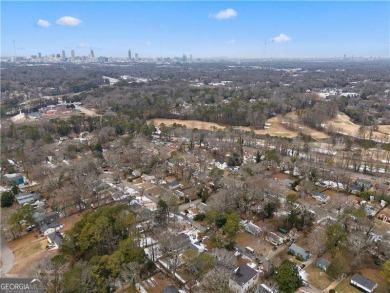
(275,237)
(252,227)
(170,289)
(324,262)
(27,197)
(55,237)
(299,250)
(364,282)
(243,274)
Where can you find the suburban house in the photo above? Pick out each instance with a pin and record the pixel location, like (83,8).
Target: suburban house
(15,178)
(299,251)
(251,228)
(220,164)
(149,178)
(201,177)
(384,215)
(320,197)
(361,183)
(55,239)
(363,283)
(274,239)
(323,263)
(27,197)
(173,185)
(243,279)
(202,207)
(49,228)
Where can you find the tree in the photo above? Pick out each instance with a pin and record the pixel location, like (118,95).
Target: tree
(15,189)
(198,263)
(386,272)
(232,225)
(287,277)
(22,216)
(268,210)
(335,236)
(7,199)
(258,157)
(162,212)
(339,265)
(216,281)
(292,198)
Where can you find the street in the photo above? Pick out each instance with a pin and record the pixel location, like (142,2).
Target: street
(7,256)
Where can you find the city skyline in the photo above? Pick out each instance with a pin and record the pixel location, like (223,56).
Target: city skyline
(203,29)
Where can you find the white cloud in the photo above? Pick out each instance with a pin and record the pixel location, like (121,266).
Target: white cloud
(231,42)
(68,20)
(225,14)
(148,43)
(43,23)
(281,38)
(82,46)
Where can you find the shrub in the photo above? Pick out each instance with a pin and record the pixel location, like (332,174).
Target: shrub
(199,217)
(7,199)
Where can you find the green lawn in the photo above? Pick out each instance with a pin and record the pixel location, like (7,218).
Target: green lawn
(345,287)
(317,277)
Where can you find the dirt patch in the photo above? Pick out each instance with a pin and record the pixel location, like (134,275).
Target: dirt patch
(28,266)
(157,283)
(344,124)
(345,287)
(70,221)
(259,245)
(276,127)
(317,277)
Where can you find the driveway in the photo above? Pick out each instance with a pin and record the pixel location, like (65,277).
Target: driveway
(7,256)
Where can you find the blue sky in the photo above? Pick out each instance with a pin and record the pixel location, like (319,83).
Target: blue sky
(203,29)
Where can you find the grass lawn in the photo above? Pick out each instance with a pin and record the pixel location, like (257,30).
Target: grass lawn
(345,287)
(317,277)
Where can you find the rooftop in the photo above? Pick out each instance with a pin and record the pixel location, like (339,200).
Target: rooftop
(243,274)
(364,282)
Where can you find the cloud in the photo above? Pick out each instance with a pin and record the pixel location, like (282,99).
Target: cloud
(225,14)
(43,23)
(231,42)
(82,46)
(68,20)
(281,38)
(148,43)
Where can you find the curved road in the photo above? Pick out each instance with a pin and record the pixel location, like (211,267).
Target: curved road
(7,256)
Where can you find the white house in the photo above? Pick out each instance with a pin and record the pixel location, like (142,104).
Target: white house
(251,228)
(220,164)
(243,279)
(363,283)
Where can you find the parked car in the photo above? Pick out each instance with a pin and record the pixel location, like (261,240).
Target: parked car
(30,228)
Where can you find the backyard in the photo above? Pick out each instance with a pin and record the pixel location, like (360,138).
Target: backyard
(317,277)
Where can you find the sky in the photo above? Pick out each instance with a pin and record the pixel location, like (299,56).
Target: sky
(311,29)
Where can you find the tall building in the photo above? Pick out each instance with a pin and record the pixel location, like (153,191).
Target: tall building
(136,56)
(92,54)
(39,55)
(129,54)
(63,55)
(72,54)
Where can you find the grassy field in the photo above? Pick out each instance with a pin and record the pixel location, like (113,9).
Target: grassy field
(317,277)
(345,287)
(276,129)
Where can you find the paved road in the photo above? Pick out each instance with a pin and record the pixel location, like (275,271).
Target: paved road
(186,206)
(7,256)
